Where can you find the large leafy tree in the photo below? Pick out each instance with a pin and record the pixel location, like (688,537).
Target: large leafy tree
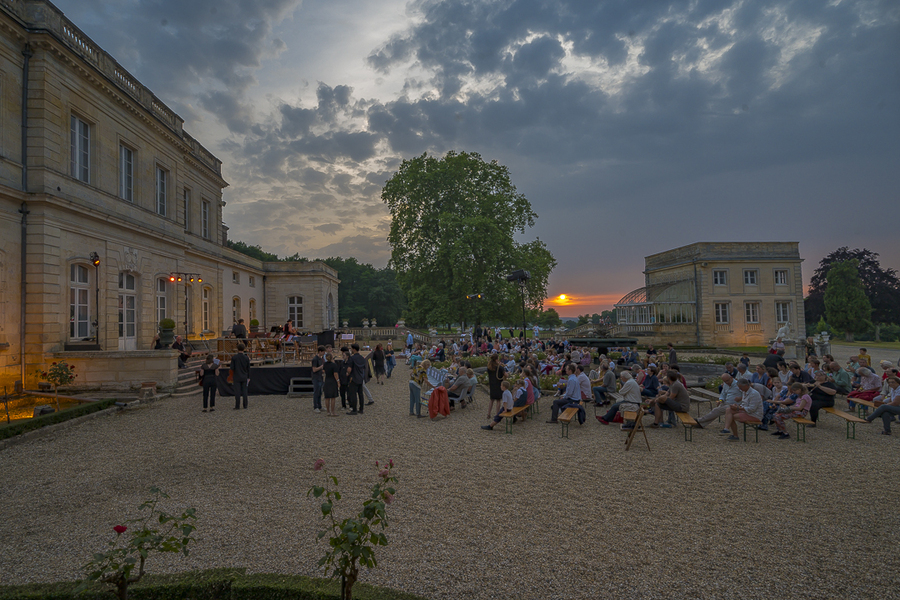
(882,286)
(846,306)
(453,226)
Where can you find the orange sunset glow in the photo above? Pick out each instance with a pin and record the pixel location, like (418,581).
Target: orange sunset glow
(592,303)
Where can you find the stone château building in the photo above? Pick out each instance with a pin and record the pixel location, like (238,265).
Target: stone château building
(717,294)
(104,198)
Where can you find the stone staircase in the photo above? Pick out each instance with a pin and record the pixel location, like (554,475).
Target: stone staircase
(186,384)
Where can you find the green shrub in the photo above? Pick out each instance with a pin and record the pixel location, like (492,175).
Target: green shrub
(213,584)
(167,324)
(254,322)
(21,427)
(614,355)
(714,383)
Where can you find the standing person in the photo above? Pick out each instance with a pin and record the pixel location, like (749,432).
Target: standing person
(409,342)
(318,377)
(390,362)
(330,387)
(496,374)
(240,364)
(378,360)
(344,376)
(356,370)
(673,357)
(239,330)
(208,373)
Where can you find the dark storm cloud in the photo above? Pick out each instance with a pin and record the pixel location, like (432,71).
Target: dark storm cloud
(176,46)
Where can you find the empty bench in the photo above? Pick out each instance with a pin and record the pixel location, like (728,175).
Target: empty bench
(850,419)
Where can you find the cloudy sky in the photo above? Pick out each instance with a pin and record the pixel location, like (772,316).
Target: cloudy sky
(632,126)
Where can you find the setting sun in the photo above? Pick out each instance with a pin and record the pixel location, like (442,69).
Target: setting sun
(562,296)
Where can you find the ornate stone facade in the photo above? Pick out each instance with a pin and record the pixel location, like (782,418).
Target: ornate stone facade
(106,172)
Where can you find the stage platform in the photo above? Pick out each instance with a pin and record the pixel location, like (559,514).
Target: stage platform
(270,380)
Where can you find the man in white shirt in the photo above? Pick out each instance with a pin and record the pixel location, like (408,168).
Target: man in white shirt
(730,394)
(583,381)
(751,403)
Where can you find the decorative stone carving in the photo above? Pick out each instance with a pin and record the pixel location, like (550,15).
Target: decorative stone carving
(129,259)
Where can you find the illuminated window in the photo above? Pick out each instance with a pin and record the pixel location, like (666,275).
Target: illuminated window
(79,302)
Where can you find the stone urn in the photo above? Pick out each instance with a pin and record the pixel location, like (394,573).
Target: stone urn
(346,323)
(401,323)
(366,323)
(374,324)
(166,332)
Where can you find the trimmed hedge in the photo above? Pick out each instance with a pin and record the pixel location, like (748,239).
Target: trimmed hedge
(212,584)
(86,408)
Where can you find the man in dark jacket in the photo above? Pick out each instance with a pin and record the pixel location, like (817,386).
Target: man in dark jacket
(239,330)
(356,370)
(240,365)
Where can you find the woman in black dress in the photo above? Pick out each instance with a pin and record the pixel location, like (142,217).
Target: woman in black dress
(330,387)
(209,372)
(378,358)
(496,374)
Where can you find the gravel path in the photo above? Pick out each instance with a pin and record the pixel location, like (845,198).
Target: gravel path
(478,514)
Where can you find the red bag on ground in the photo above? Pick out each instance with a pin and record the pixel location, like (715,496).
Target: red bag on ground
(618,418)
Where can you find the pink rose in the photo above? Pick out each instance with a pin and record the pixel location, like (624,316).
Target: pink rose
(376,463)
(384,473)
(388,498)
(120,529)
(318,465)
(391,463)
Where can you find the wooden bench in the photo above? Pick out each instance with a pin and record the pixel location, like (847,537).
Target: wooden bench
(801,423)
(688,422)
(748,421)
(850,419)
(510,415)
(862,403)
(702,400)
(564,419)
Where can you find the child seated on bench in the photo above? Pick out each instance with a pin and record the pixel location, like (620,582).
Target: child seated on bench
(799,408)
(507,402)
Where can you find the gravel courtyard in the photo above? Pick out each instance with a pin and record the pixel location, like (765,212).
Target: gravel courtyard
(478,514)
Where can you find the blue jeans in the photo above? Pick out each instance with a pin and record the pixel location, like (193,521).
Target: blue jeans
(240,391)
(390,363)
(886,412)
(415,398)
(317,393)
(599,394)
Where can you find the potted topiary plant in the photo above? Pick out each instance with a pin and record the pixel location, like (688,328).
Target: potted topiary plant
(166,332)
(254,325)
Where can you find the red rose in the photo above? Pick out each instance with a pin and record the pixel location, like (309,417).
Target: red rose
(120,529)
(318,465)
(71,366)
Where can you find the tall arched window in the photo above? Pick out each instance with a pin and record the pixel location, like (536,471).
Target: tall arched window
(127,311)
(252,308)
(79,302)
(206,309)
(235,309)
(162,299)
(295,310)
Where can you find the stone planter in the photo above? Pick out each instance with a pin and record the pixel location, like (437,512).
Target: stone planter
(166,337)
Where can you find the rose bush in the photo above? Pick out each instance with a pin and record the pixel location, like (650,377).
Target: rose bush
(353,539)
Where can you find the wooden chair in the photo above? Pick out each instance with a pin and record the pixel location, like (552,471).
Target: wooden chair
(638,418)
